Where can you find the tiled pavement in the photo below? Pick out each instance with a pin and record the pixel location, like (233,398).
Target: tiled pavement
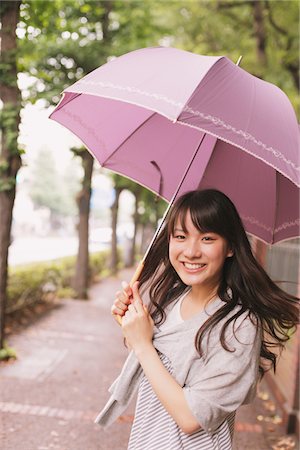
(66,361)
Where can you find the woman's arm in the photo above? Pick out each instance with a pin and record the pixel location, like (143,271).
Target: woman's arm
(168,391)
(137,326)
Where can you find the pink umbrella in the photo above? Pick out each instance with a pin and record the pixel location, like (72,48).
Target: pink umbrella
(175,121)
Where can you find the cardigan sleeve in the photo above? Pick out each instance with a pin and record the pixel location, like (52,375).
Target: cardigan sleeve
(225,380)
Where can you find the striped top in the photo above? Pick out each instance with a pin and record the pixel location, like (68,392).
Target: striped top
(154,429)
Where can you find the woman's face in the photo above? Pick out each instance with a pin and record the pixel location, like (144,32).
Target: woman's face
(198,258)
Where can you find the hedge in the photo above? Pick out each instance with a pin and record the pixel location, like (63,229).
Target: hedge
(31,283)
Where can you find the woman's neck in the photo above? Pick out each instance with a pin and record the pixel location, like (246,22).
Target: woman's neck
(202,295)
(196,300)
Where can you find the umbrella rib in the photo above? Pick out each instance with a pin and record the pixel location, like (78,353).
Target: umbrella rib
(276,204)
(128,137)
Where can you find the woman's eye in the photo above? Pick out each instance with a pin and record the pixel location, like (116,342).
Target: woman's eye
(179,237)
(207,238)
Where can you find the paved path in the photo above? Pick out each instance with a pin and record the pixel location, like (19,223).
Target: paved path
(66,361)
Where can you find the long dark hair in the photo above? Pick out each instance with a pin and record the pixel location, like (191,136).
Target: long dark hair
(244,281)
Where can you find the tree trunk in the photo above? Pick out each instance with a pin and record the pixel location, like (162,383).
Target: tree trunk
(259,32)
(10,160)
(81,279)
(137,194)
(114,241)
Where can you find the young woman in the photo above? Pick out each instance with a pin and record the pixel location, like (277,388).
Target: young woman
(213,323)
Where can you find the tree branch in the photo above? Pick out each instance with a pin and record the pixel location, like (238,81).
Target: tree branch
(272,21)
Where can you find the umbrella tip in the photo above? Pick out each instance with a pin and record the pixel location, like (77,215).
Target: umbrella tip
(239,60)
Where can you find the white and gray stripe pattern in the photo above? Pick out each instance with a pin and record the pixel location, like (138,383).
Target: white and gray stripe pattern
(154,429)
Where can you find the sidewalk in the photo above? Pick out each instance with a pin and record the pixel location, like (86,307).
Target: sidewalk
(67,359)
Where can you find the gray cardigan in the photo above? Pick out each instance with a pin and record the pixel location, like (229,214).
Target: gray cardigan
(214,385)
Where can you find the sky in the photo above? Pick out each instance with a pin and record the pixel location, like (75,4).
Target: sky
(37,131)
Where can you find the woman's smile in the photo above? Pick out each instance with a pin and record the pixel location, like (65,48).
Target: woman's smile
(193,267)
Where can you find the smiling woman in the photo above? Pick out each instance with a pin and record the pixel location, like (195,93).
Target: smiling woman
(198,259)
(199,346)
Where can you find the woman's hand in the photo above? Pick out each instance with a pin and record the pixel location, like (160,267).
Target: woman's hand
(137,324)
(122,301)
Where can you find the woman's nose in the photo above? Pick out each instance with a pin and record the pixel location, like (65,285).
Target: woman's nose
(192,249)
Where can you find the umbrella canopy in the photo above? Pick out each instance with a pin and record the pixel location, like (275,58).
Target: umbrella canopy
(157,114)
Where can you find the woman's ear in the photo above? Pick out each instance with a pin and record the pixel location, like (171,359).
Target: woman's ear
(230,253)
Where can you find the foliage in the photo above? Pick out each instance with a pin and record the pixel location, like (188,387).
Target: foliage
(10,157)
(7,353)
(8,119)
(11,105)
(32,283)
(62,41)
(98,265)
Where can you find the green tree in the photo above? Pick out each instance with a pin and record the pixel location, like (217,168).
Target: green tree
(66,37)
(10,156)
(45,184)
(120,184)
(62,41)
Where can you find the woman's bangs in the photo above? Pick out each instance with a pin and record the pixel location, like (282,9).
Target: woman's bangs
(204,219)
(204,213)
(177,216)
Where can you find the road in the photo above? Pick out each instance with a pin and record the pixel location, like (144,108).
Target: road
(34,249)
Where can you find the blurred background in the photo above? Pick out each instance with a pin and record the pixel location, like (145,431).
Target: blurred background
(64,221)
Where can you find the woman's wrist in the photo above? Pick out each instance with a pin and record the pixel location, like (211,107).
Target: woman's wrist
(143,348)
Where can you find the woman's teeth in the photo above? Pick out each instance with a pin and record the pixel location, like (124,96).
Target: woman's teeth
(193,266)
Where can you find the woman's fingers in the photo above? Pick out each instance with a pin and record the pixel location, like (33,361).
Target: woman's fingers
(122,297)
(122,300)
(127,291)
(116,311)
(128,302)
(138,302)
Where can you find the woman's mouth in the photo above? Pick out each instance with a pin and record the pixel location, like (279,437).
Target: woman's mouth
(193,266)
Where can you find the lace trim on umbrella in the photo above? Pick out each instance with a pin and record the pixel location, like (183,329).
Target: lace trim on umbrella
(247,136)
(132,89)
(84,125)
(254,221)
(287,225)
(283,226)
(214,120)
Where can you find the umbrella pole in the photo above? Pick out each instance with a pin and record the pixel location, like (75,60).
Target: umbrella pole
(141,264)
